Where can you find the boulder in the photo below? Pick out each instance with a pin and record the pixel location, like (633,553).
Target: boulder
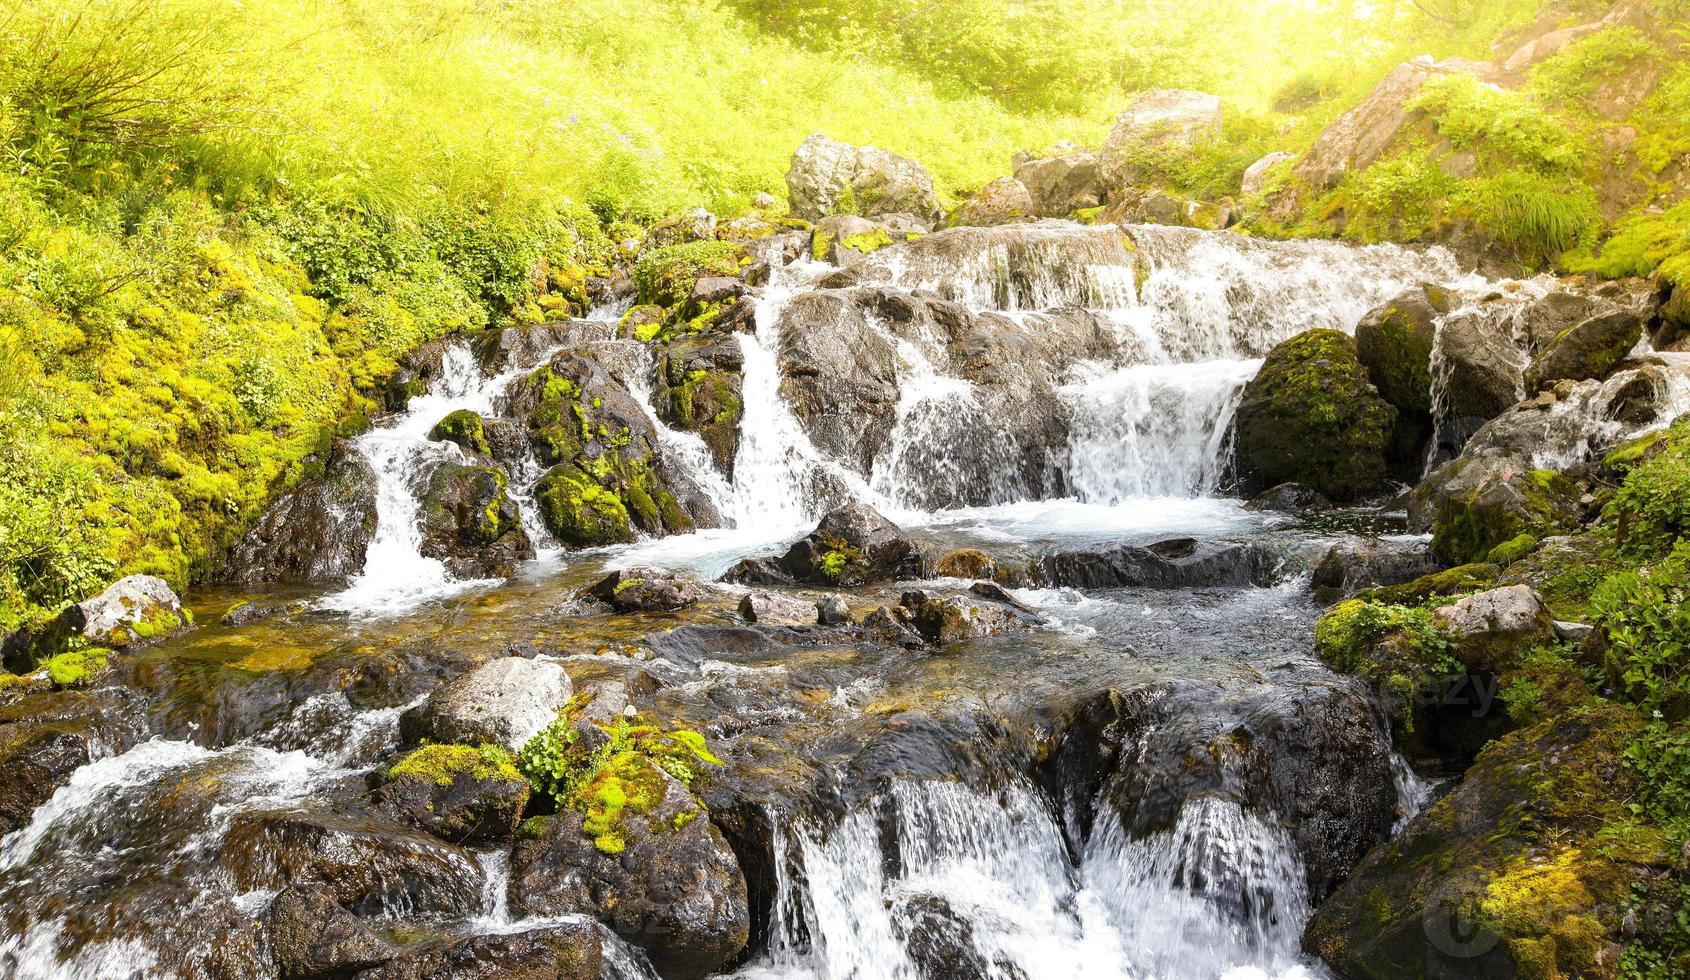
(847,239)
(697,225)
(1256,175)
(832,610)
(1311,416)
(1157,117)
(1492,628)
(458,793)
(829,177)
(1356,563)
(367,866)
(1364,133)
(1002,201)
(1394,342)
(642,589)
(36,758)
(699,389)
(777,609)
(470,523)
(503,702)
(942,620)
(311,935)
(851,546)
(568,951)
(1481,372)
(1474,503)
(1060,185)
(1288,498)
(1671,326)
(131,611)
(676,890)
(940,942)
(965,563)
(1549,316)
(1176,563)
(1588,351)
(316,533)
(464,428)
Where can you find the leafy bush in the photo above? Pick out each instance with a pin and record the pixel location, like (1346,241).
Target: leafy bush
(666,275)
(1646,616)
(1499,124)
(1652,507)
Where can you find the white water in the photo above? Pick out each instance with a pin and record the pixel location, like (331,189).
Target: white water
(1219,895)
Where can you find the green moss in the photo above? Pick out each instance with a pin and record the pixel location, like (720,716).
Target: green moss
(463,427)
(75,668)
(666,276)
(1512,550)
(443,764)
(836,559)
(579,511)
(1468,525)
(821,244)
(867,242)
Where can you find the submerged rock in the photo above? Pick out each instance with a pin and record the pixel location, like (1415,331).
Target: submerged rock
(829,177)
(316,533)
(36,758)
(852,545)
(1290,498)
(1176,563)
(503,702)
(676,890)
(1311,416)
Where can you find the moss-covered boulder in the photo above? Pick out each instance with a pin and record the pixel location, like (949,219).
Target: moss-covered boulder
(460,793)
(469,522)
(853,545)
(1311,416)
(665,276)
(700,390)
(463,427)
(605,477)
(998,203)
(1524,870)
(1472,504)
(1394,342)
(1588,350)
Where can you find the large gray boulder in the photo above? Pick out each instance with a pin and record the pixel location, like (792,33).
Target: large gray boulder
(1002,201)
(1060,185)
(502,702)
(1161,116)
(829,177)
(1549,316)
(1361,136)
(316,533)
(130,611)
(1256,175)
(1482,376)
(1588,351)
(1492,627)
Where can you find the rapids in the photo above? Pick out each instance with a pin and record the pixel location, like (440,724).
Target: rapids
(1027,807)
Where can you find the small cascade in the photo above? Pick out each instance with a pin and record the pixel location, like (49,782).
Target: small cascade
(1414,792)
(1152,430)
(1597,415)
(986,879)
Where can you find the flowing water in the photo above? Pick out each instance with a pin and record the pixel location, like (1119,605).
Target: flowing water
(1007,810)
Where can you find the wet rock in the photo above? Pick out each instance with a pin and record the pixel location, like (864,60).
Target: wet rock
(570,951)
(525,344)
(848,239)
(1176,563)
(965,563)
(643,589)
(1157,117)
(942,620)
(1256,175)
(368,866)
(469,522)
(700,390)
(1311,416)
(128,612)
(1364,133)
(1484,376)
(1493,627)
(829,177)
(503,702)
(1671,324)
(1060,185)
(1474,503)
(257,610)
(316,533)
(1357,563)
(998,203)
(1590,350)
(464,428)
(311,935)
(832,610)
(697,225)
(851,546)
(36,758)
(940,942)
(1546,318)
(840,376)
(1394,342)
(676,891)
(777,609)
(1289,498)
(458,793)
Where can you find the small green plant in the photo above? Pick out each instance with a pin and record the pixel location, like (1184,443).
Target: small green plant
(442,764)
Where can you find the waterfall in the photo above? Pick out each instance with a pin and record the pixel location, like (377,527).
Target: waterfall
(985,882)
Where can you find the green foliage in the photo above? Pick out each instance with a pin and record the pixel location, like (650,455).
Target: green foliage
(1573,74)
(1646,615)
(74,668)
(1535,216)
(610,772)
(1642,245)
(666,275)
(1499,124)
(1652,507)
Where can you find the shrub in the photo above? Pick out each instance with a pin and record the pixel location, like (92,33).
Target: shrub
(1645,614)
(666,275)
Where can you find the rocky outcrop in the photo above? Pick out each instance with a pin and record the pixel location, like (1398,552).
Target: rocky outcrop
(1176,563)
(852,545)
(503,702)
(469,522)
(1311,416)
(676,891)
(1394,342)
(942,620)
(1356,563)
(1002,201)
(777,609)
(1255,179)
(1491,627)
(1158,117)
(316,533)
(311,935)
(829,177)
(630,590)
(459,793)
(699,387)
(1361,135)
(1588,351)
(1058,186)
(1474,503)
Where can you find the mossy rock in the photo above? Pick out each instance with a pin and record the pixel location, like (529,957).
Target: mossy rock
(1462,579)
(1486,503)
(1394,342)
(460,793)
(1587,351)
(1311,416)
(463,427)
(665,276)
(580,512)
